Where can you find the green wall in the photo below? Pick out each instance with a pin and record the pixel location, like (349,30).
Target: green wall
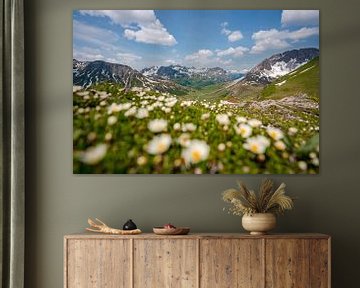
(59,203)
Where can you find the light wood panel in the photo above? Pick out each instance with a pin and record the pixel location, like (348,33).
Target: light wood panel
(98,264)
(197,261)
(231,263)
(169,263)
(287,263)
(89,235)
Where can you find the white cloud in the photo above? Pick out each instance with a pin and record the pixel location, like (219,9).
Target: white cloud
(100,45)
(219,60)
(206,58)
(274,39)
(224,30)
(231,35)
(233,52)
(87,56)
(127,58)
(235,36)
(92,54)
(300,17)
(170,62)
(140,25)
(199,56)
(154,33)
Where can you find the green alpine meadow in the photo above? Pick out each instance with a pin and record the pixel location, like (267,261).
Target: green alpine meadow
(247,103)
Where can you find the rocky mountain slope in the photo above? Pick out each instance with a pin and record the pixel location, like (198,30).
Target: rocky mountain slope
(87,73)
(279,65)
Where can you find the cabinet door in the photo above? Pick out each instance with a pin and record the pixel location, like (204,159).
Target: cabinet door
(98,263)
(287,263)
(166,263)
(231,263)
(320,263)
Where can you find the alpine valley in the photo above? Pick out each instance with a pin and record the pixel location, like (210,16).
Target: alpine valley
(262,81)
(118,105)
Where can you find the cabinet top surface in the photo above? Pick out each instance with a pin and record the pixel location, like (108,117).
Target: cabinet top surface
(86,235)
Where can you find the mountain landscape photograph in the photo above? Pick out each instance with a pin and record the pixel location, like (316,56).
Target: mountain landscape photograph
(196,92)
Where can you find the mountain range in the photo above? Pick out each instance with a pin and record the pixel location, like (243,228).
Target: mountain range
(87,73)
(280,65)
(180,80)
(191,76)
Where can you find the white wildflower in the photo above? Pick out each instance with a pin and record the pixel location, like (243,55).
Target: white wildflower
(240,119)
(171,104)
(159,144)
(302,165)
(197,151)
(177,126)
(184,139)
(205,116)
(108,136)
(280,145)
(103,94)
(221,147)
(315,161)
(157,125)
(254,123)
(131,112)
(83,93)
(76,88)
(112,120)
(188,127)
(244,130)
(125,106)
(257,144)
(246,169)
(113,108)
(223,119)
(93,155)
(142,113)
(312,155)
(142,160)
(292,131)
(167,110)
(91,136)
(275,133)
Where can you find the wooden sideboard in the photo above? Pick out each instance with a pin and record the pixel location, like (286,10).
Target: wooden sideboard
(197,260)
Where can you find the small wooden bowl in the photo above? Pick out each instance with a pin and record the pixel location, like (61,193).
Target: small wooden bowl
(171,231)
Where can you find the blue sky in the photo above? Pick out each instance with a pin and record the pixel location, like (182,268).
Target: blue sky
(231,39)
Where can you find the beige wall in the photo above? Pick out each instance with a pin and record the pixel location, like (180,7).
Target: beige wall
(59,202)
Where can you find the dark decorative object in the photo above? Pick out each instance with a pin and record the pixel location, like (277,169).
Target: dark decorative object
(129,225)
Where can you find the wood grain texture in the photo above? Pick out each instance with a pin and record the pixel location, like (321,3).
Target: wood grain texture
(287,263)
(88,235)
(98,264)
(197,260)
(231,263)
(166,263)
(319,263)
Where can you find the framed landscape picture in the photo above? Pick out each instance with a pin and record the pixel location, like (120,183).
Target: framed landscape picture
(196,92)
